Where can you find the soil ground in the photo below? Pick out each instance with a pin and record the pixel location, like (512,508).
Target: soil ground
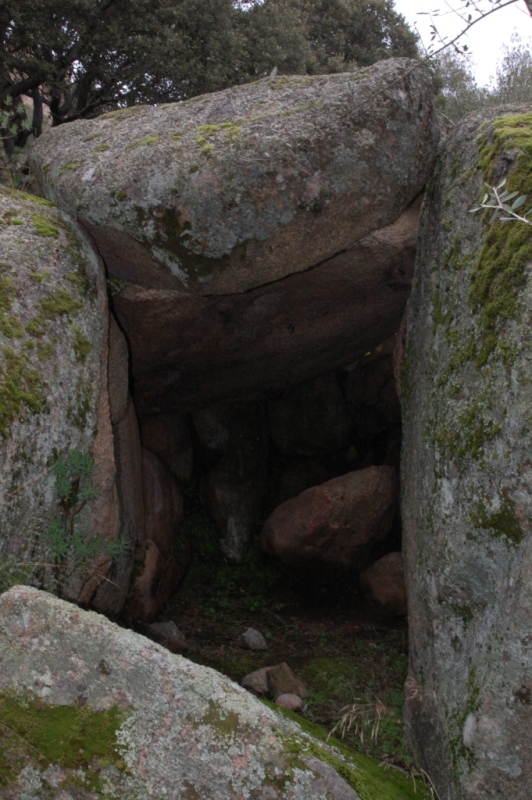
(351,656)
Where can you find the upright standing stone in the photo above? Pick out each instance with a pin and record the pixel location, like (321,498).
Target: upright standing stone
(467,472)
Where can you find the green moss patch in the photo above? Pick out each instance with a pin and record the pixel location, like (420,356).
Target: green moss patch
(60,303)
(71,737)
(225,723)
(498,277)
(367,776)
(146,140)
(503,522)
(81,345)
(20,386)
(10,326)
(8,289)
(82,406)
(70,166)
(499,273)
(44,227)
(469,432)
(122,114)
(20,195)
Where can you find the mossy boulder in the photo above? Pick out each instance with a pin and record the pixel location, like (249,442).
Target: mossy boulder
(54,399)
(233,190)
(90,708)
(466,473)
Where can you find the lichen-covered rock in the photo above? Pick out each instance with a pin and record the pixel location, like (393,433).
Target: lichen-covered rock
(55,402)
(90,708)
(467,474)
(192,195)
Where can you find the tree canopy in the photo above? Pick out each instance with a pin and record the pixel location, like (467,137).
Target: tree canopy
(78,58)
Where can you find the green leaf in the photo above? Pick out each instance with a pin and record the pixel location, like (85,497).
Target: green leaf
(519,202)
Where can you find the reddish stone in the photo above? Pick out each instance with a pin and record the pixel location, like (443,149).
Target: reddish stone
(193,351)
(168,435)
(165,555)
(384,581)
(283,680)
(333,524)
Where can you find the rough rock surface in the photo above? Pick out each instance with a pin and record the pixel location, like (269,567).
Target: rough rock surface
(189,350)
(467,475)
(283,680)
(190,196)
(334,524)
(55,393)
(169,436)
(164,554)
(167,634)
(257,681)
(384,581)
(293,702)
(174,729)
(252,640)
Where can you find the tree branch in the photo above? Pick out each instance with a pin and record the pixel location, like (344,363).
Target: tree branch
(470,24)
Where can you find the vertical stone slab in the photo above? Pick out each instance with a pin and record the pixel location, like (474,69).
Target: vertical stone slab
(467,472)
(54,401)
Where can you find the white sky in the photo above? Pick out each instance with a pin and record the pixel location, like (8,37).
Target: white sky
(485,39)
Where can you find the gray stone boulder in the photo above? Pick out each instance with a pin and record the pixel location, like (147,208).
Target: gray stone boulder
(190,196)
(61,393)
(89,709)
(467,474)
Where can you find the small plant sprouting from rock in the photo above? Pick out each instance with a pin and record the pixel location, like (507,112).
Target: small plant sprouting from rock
(70,550)
(499,202)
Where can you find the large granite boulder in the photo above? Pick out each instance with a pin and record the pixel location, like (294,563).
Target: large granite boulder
(189,350)
(61,398)
(88,709)
(190,196)
(267,223)
(467,473)
(333,526)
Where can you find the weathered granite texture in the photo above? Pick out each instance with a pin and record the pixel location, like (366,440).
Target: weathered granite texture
(132,720)
(467,473)
(55,397)
(190,196)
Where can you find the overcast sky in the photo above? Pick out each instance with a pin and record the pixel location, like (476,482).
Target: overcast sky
(484,40)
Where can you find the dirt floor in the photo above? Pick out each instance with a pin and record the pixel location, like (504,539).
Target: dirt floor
(352,658)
